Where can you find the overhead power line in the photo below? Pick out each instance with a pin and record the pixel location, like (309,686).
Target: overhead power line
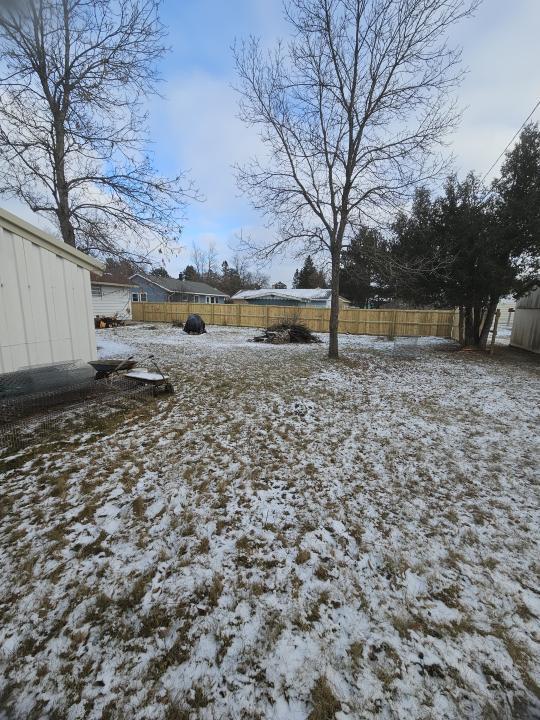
(512,140)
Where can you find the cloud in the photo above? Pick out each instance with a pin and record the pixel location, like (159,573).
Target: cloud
(197,128)
(501,50)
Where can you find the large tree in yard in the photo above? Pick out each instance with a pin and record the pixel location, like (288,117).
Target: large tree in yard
(484,244)
(74,79)
(458,230)
(352,110)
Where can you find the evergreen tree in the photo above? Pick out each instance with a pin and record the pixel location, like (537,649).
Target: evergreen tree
(309,276)
(485,245)
(517,207)
(159,272)
(361,279)
(190,273)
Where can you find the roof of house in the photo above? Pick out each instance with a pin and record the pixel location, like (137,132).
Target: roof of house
(18,226)
(173,285)
(294,294)
(111,283)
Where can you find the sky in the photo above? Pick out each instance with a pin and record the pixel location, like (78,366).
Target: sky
(195,127)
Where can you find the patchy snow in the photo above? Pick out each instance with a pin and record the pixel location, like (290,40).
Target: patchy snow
(281,519)
(108,348)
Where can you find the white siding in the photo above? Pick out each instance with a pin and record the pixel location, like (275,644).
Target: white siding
(45,309)
(114,300)
(526,327)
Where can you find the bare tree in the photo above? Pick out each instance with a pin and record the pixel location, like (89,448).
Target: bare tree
(198,256)
(353,112)
(211,259)
(205,259)
(74,77)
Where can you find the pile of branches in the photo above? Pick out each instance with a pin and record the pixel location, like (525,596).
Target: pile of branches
(283,333)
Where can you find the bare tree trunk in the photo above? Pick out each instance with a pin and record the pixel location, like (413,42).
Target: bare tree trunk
(334,307)
(490,314)
(461,325)
(61,189)
(478,314)
(468,338)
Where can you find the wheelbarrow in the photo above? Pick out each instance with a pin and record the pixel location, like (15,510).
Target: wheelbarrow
(106,367)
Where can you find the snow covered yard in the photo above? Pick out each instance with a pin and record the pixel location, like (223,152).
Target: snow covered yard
(284,538)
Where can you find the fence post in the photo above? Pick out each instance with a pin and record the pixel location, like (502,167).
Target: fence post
(494,331)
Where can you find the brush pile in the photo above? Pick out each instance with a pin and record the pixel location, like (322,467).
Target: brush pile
(283,333)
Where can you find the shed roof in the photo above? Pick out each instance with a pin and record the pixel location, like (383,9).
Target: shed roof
(190,287)
(30,232)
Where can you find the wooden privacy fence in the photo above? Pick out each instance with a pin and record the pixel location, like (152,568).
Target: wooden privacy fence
(411,323)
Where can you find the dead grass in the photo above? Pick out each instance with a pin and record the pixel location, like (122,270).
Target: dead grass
(203,547)
(356,652)
(324,703)
(215,590)
(349,520)
(139,507)
(302,556)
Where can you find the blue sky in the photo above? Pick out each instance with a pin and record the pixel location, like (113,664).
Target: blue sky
(195,126)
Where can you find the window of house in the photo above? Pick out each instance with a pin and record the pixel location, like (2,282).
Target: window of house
(143,297)
(135,297)
(208,299)
(97,291)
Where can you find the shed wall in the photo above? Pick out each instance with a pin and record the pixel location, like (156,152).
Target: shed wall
(45,306)
(529,301)
(526,327)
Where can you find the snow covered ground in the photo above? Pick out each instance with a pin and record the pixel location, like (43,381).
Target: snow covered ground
(284,538)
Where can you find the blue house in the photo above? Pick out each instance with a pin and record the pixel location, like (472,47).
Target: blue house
(162,289)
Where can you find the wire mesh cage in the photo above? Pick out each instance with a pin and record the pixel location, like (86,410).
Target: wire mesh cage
(45,379)
(36,416)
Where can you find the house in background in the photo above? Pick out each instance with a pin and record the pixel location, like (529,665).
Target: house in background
(111,298)
(317,297)
(45,298)
(526,327)
(163,289)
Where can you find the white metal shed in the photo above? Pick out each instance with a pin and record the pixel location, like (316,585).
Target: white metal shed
(526,327)
(45,299)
